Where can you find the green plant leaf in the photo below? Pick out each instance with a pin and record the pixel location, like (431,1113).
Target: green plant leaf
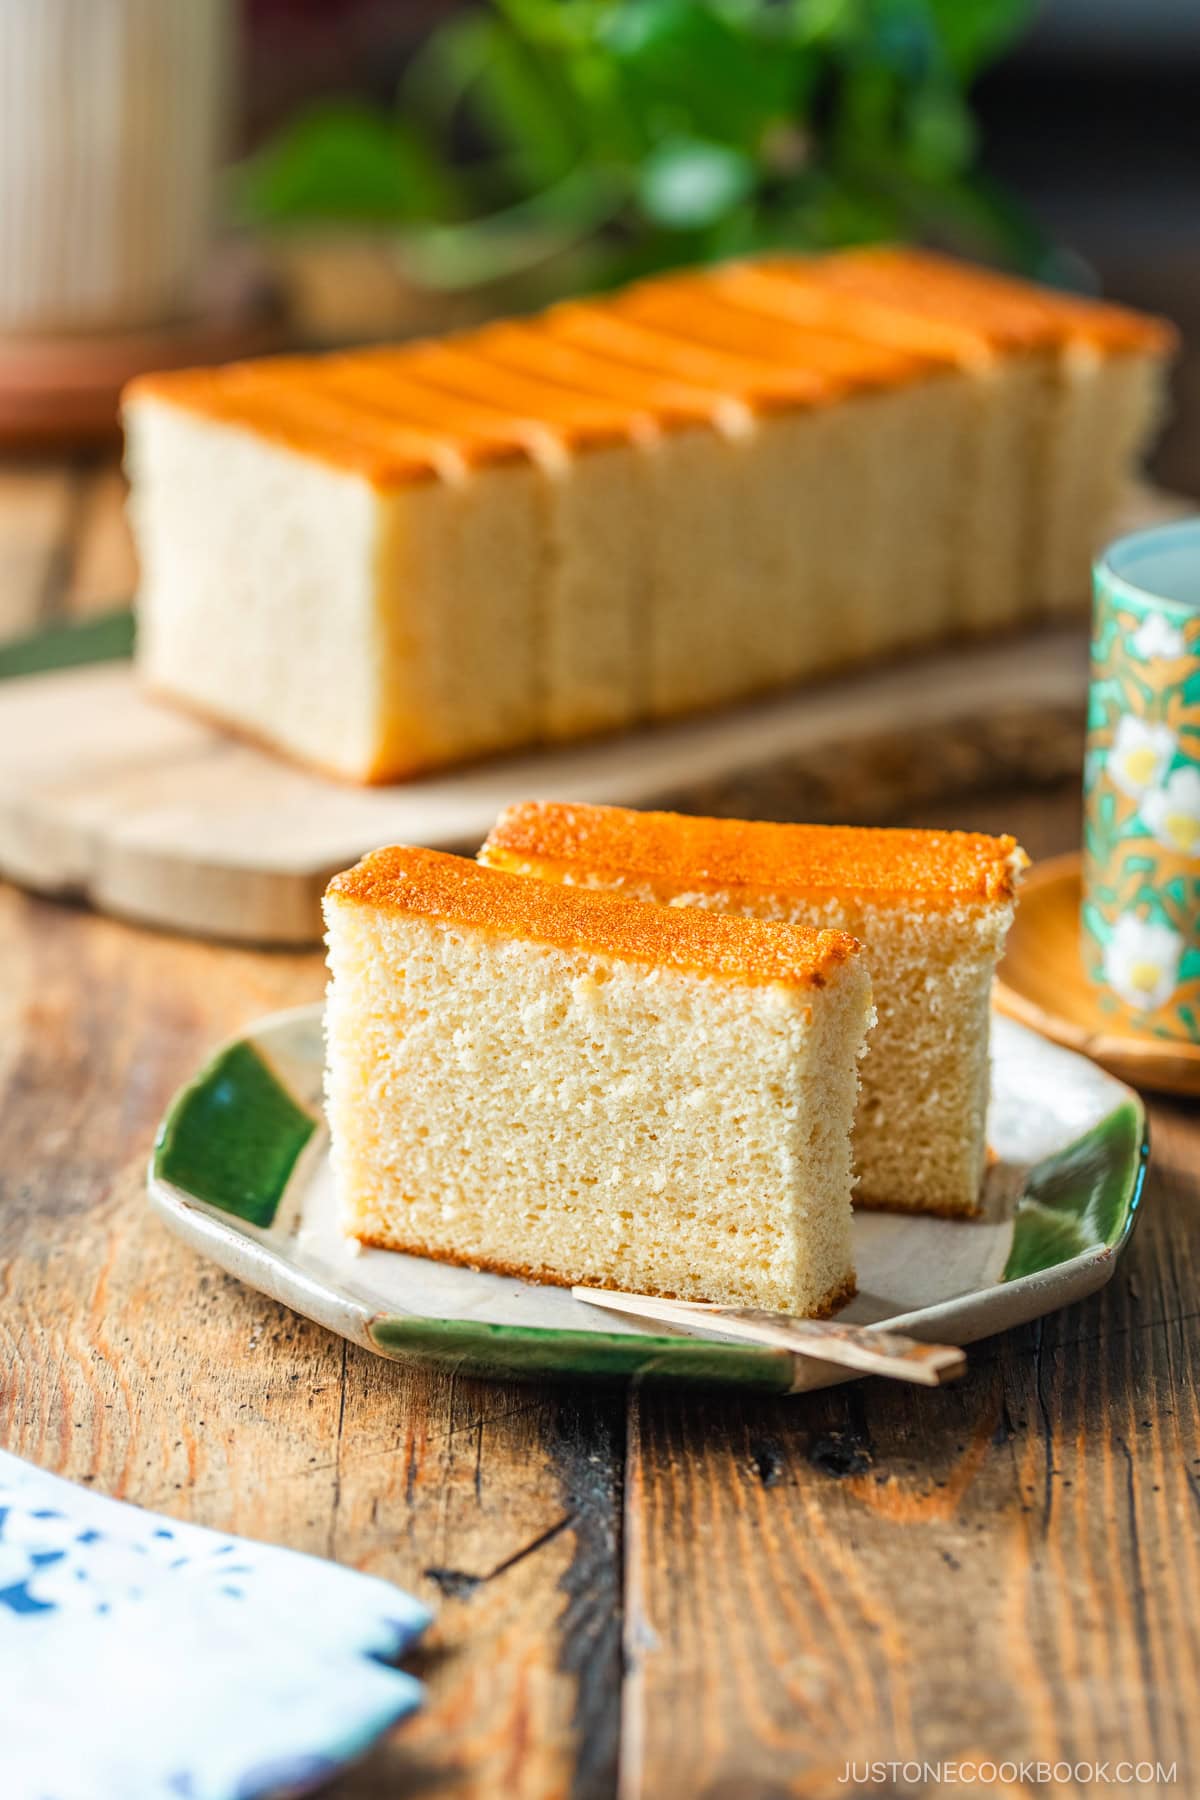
(524,102)
(687,184)
(689,129)
(520,238)
(973,32)
(342,160)
(717,72)
(941,133)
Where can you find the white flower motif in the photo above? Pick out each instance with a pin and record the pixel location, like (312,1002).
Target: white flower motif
(1141,962)
(1140,755)
(1173,812)
(1156,636)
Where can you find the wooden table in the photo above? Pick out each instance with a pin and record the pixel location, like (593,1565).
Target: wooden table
(647,1591)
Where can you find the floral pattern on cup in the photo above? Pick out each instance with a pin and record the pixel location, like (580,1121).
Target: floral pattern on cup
(1141,909)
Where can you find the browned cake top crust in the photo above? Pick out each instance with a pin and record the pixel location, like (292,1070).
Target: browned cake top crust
(429,885)
(1014,314)
(719,345)
(692,308)
(922,870)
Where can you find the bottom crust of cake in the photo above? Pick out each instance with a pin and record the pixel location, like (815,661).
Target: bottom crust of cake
(215,720)
(830,1303)
(927,1209)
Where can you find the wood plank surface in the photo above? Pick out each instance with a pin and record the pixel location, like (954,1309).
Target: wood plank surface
(133,1366)
(152,815)
(1007,1573)
(647,1595)
(101,570)
(37,503)
(109,795)
(65,548)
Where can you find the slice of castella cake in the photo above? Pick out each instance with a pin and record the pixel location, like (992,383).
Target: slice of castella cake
(932,909)
(567,1087)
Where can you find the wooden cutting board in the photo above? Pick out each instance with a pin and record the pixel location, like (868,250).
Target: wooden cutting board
(109,797)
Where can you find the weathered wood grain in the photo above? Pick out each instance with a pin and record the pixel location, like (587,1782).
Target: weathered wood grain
(154,815)
(1006,1569)
(1009,1568)
(132,1365)
(37,502)
(102,571)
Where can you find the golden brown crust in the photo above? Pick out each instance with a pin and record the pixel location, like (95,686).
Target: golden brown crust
(248,398)
(670,402)
(579,421)
(837,1296)
(764,386)
(939,1209)
(792,288)
(922,869)
(1014,314)
(692,308)
(781,334)
(427,884)
(383,384)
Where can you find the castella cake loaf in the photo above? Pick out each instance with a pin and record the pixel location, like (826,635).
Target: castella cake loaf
(572,1087)
(839,531)
(931,907)
(1098,392)
(632,507)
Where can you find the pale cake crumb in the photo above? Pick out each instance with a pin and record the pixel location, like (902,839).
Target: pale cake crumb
(573,1088)
(711,485)
(931,908)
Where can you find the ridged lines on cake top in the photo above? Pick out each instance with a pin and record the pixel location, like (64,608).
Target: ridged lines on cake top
(1011,313)
(695,310)
(462,894)
(714,347)
(923,870)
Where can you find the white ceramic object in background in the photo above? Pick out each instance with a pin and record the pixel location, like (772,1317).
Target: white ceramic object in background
(112,125)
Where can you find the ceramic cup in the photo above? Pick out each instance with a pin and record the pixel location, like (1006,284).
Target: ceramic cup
(113,118)
(1141,846)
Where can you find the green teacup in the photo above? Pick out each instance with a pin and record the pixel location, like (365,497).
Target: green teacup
(1141,843)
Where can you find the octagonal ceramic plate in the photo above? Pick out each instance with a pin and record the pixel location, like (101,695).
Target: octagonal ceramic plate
(241,1171)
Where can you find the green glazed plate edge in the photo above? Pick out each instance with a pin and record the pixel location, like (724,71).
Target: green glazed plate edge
(233,1139)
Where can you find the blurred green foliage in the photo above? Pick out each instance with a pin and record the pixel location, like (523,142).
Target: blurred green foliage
(575,143)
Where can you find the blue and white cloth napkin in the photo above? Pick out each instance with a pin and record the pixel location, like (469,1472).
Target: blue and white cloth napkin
(143,1659)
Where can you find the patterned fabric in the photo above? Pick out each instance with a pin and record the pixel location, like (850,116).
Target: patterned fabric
(146,1659)
(1141,911)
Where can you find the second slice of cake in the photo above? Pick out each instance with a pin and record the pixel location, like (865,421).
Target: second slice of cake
(932,909)
(565,1086)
